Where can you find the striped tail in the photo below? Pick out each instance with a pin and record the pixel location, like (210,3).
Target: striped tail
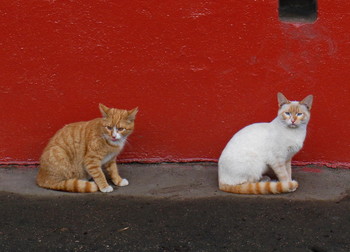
(272,187)
(72,185)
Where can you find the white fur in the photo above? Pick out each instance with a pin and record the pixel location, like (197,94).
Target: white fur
(255,148)
(121,140)
(107,189)
(108,158)
(115,134)
(124,182)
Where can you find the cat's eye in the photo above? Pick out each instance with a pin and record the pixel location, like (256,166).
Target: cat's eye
(121,129)
(287,113)
(299,114)
(109,127)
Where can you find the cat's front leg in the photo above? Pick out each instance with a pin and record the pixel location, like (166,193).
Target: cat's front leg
(112,169)
(289,168)
(93,167)
(280,170)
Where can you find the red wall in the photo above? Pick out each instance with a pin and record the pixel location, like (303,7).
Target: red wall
(198,70)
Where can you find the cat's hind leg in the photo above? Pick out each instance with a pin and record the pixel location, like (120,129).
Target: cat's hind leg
(57,172)
(235,170)
(265,178)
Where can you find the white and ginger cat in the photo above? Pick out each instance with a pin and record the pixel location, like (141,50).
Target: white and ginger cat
(259,147)
(79,151)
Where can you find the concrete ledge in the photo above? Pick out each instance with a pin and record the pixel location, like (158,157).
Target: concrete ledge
(187,180)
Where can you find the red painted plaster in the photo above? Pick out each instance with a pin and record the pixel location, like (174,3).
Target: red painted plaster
(198,70)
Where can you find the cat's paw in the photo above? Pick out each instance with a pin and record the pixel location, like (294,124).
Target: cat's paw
(124,182)
(107,189)
(293,185)
(265,179)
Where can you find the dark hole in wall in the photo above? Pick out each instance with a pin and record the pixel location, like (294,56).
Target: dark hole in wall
(301,11)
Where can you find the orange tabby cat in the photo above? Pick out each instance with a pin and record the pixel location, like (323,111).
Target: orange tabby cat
(79,151)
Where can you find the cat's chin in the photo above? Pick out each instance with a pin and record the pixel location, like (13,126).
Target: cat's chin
(117,142)
(114,141)
(292,126)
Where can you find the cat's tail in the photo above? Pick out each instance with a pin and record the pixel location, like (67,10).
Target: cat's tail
(71,185)
(271,187)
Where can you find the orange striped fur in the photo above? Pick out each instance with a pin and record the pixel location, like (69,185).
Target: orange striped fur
(80,151)
(273,187)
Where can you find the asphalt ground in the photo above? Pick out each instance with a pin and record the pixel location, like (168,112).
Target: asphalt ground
(175,207)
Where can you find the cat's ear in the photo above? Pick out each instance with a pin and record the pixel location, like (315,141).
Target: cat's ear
(104,110)
(307,101)
(282,99)
(132,114)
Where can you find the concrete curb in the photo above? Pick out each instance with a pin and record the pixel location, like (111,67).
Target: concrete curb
(187,181)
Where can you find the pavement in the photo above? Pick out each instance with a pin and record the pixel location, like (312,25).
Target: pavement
(187,181)
(175,207)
